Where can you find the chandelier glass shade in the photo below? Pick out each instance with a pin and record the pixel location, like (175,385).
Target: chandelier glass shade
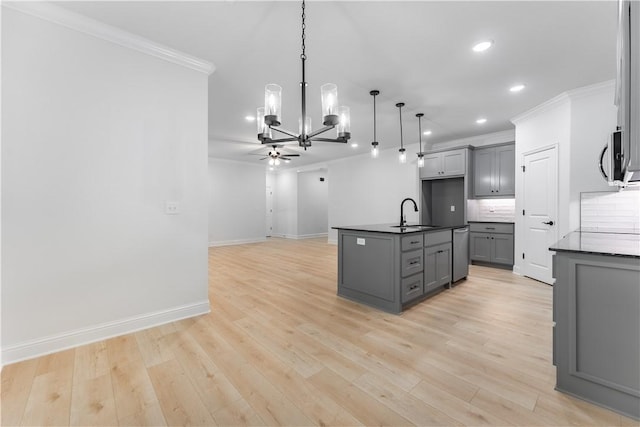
(333,115)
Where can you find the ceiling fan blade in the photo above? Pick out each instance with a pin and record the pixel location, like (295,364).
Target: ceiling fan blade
(264,158)
(292,155)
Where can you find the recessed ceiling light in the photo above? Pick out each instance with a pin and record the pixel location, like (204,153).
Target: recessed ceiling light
(482,46)
(426,132)
(249,118)
(354,145)
(481,121)
(516,88)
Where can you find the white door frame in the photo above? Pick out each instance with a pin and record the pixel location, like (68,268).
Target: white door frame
(523,225)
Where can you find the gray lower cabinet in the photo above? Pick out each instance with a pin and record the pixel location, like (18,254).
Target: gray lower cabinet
(392,271)
(437,262)
(491,243)
(596,337)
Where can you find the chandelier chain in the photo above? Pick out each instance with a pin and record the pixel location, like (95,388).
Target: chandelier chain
(304,26)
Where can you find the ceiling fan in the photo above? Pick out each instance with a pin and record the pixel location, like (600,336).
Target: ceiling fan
(275,156)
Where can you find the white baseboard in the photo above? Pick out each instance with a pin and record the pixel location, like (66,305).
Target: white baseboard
(300,236)
(517,270)
(311,236)
(236,242)
(332,241)
(63,341)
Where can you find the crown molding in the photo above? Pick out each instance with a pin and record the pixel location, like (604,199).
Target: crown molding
(565,97)
(592,89)
(542,108)
(75,21)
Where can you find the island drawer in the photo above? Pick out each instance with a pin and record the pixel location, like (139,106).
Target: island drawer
(437,237)
(412,287)
(491,227)
(411,263)
(412,241)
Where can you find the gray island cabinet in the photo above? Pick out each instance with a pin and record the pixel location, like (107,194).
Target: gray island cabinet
(391,268)
(596,311)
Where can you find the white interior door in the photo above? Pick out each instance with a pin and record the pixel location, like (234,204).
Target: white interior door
(269,218)
(540,213)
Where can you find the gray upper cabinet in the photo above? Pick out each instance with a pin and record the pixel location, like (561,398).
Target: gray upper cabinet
(494,170)
(444,164)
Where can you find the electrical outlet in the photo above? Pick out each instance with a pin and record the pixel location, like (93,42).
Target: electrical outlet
(453,208)
(171,208)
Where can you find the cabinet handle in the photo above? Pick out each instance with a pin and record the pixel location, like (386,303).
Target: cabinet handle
(413,242)
(413,287)
(440,252)
(413,262)
(489,228)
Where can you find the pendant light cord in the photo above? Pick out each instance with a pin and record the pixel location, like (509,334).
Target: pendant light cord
(400,105)
(420,131)
(374,118)
(304,26)
(303,86)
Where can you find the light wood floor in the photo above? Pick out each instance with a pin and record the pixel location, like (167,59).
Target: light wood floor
(280,348)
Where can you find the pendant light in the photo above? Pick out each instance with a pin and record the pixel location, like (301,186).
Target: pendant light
(374,145)
(402,157)
(420,154)
(333,116)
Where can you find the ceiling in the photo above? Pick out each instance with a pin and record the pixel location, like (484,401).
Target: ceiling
(415,52)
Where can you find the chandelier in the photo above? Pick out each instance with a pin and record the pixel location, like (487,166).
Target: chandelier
(333,116)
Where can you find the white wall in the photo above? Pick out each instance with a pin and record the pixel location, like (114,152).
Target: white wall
(577,123)
(593,118)
(313,203)
(237,202)
(363,190)
(95,139)
(285,204)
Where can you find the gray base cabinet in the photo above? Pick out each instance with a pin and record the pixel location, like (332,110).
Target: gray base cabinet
(392,271)
(491,243)
(437,262)
(596,339)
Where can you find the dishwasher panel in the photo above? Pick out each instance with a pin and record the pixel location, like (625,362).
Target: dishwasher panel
(460,253)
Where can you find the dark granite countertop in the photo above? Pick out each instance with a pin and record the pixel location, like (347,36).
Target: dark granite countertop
(615,244)
(394,229)
(492,222)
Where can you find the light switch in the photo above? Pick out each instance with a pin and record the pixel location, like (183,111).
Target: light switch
(360,241)
(171,208)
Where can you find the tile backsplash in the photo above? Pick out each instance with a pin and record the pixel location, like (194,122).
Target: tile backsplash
(610,211)
(491,210)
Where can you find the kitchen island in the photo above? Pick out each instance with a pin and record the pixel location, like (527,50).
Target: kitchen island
(390,267)
(596,310)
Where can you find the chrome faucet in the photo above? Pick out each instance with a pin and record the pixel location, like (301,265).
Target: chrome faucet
(415,207)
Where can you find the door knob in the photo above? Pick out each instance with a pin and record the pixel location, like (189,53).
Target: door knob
(548,222)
